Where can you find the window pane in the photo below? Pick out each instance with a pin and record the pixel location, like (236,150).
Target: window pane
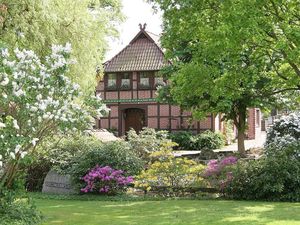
(112,80)
(145,79)
(125,81)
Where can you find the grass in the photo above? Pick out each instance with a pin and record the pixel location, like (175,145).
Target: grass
(167,212)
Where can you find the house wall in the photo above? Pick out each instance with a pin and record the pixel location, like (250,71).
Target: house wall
(158,116)
(161,116)
(254,123)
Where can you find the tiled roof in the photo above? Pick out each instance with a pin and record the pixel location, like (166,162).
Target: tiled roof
(142,54)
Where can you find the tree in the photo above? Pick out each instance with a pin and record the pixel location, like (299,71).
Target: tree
(36,25)
(221,58)
(37,100)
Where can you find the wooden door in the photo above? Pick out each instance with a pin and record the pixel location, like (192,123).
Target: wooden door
(134,118)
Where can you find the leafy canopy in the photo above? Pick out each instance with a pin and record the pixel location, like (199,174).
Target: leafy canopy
(36,25)
(235,49)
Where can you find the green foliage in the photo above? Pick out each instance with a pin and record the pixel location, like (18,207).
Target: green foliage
(44,100)
(167,171)
(116,154)
(17,210)
(243,54)
(36,25)
(147,141)
(183,139)
(275,177)
(208,140)
(229,131)
(36,173)
(57,153)
(62,154)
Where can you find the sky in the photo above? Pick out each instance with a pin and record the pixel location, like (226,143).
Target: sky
(135,11)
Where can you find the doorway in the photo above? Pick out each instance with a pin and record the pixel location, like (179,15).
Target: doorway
(134,118)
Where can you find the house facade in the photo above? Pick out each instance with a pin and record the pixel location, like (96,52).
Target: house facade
(129,90)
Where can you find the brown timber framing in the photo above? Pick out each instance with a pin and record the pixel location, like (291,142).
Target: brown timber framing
(181,117)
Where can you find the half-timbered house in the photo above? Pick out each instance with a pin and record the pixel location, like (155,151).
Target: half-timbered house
(129,90)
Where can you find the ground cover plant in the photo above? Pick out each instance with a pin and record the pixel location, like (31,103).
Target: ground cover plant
(171,212)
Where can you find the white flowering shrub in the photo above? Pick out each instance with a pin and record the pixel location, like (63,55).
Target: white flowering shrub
(147,141)
(284,133)
(38,100)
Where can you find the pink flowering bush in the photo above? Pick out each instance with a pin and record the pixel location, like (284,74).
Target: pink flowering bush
(218,172)
(105,180)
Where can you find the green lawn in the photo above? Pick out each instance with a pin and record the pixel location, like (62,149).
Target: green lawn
(179,212)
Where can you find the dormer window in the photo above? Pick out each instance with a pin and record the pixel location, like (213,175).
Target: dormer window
(125,81)
(112,81)
(144,80)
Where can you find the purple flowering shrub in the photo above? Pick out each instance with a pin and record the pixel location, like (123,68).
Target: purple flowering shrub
(105,180)
(218,172)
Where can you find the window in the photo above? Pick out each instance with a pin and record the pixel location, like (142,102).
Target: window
(111,81)
(144,80)
(125,81)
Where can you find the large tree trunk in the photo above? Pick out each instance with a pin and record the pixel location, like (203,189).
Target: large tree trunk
(241,143)
(240,123)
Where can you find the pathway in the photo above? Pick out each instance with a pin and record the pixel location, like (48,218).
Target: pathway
(256,143)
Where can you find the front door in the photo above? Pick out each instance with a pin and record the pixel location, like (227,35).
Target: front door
(134,118)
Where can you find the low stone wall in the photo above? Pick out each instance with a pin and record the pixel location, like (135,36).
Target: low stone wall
(55,183)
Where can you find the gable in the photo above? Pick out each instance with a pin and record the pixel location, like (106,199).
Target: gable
(142,54)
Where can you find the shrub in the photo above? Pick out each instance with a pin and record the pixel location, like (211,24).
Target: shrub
(208,140)
(57,153)
(287,127)
(61,154)
(183,139)
(147,141)
(274,177)
(167,171)
(105,180)
(116,154)
(36,174)
(45,100)
(219,172)
(17,210)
